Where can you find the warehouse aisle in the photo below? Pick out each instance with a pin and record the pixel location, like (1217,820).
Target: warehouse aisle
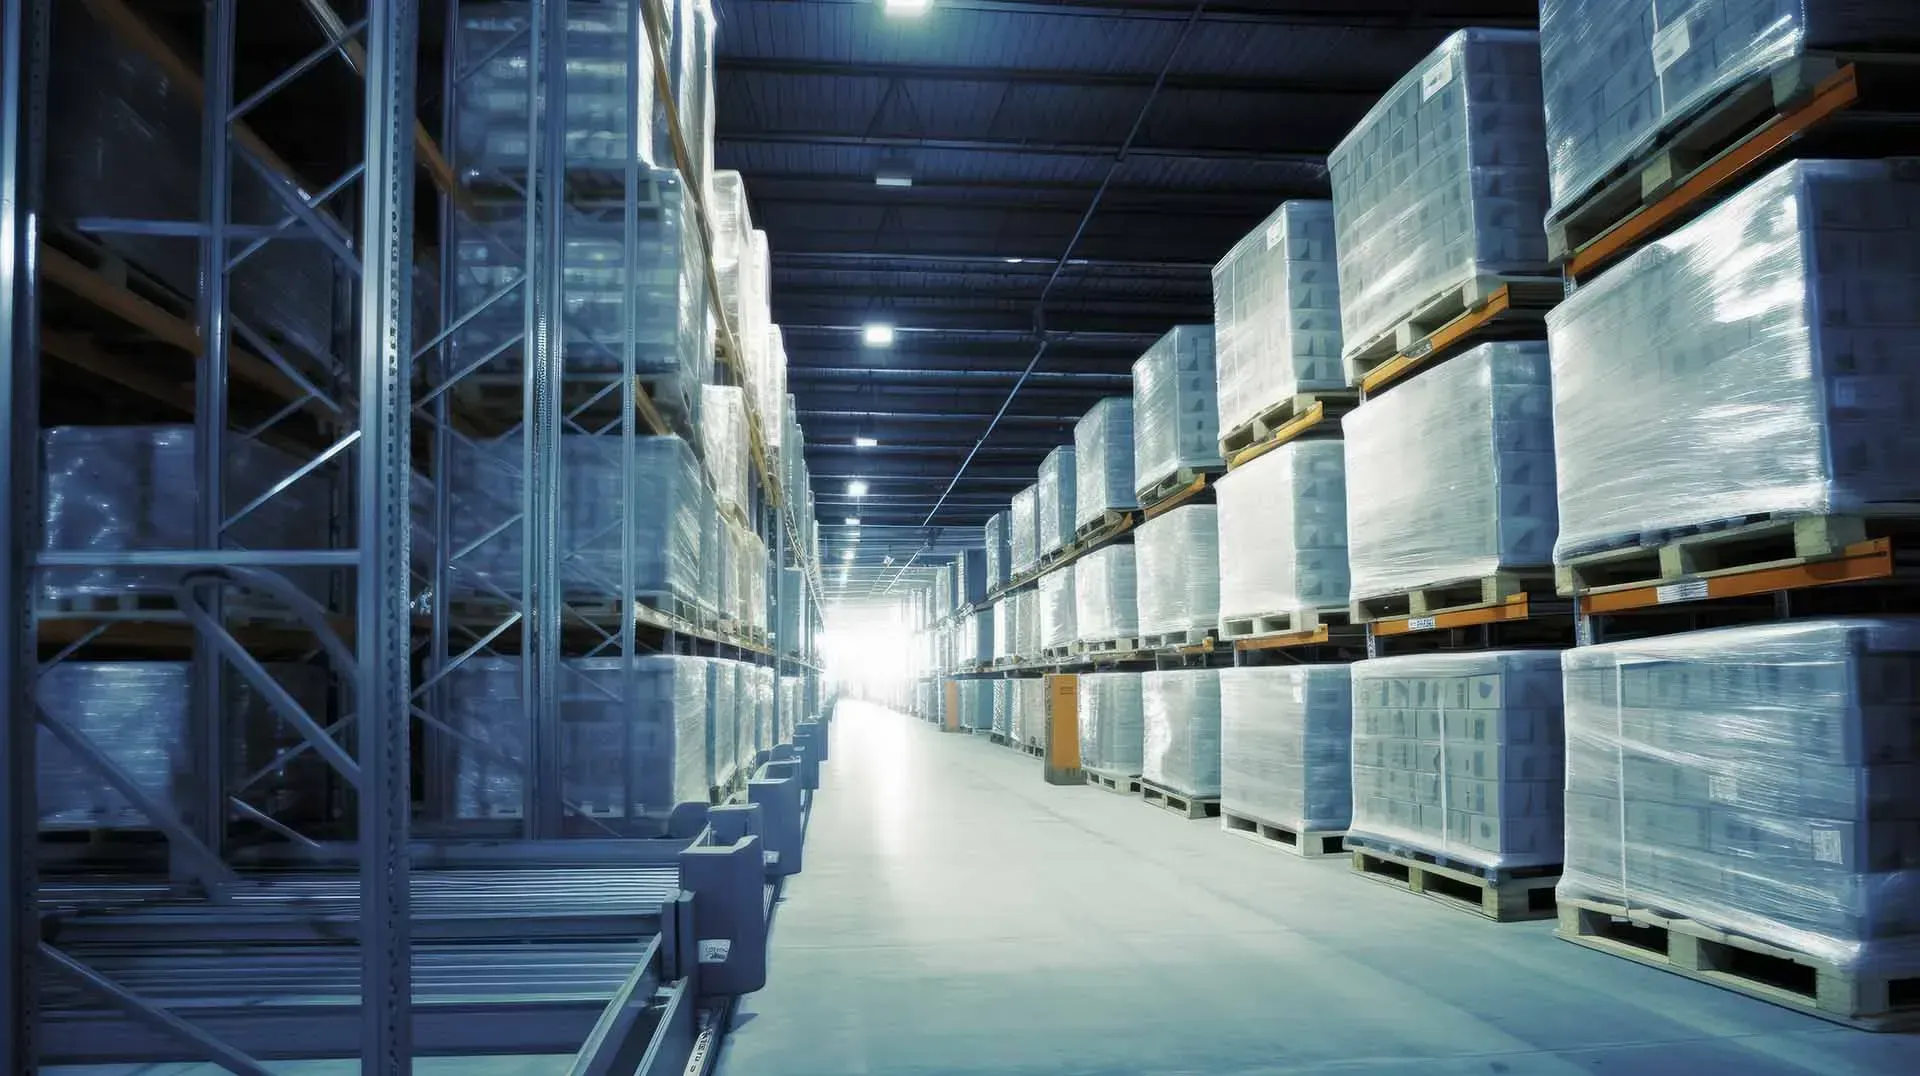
(958,915)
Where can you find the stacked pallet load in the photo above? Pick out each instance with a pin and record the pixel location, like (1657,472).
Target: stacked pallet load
(1639,94)
(1282,521)
(1103,466)
(1458,761)
(976,705)
(723,443)
(1180,757)
(1005,629)
(1003,707)
(1450,486)
(1112,728)
(1439,194)
(1057,606)
(1054,502)
(969,578)
(1029,704)
(1177,576)
(997,558)
(1748,793)
(1176,425)
(1023,530)
(1737,392)
(973,640)
(723,726)
(1106,600)
(1286,755)
(1027,625)
(1276,316)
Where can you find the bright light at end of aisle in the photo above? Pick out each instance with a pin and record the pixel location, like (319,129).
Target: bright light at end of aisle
(906,9)
(877,334)
(856,488)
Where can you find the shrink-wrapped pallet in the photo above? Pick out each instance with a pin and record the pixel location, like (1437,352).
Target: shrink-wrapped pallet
(1176,426)
(739,267)
(1057,606)
(1460,755)
(1106,602)
(620,757)
(723,444)
(1003,707)
(997,557)
(1023,529)
(1177,571)
(1757,780)
(762,679)
(1031,637)
(768,385)
(1112,722)
(976,704)
(974,638)
(1180,712)
(1756,363)
(1450,475)
(1276,314)
(112,489)
(135,713)
(488,484)
(791,607)
(792,708)
(1029,706)
(1619,75)
(1442,184)
(1053,503)
(1102,456)
(750,579)
(723,722)
(1286,745)
(1283,532)
(1005,614)
(943,592)
(969,577)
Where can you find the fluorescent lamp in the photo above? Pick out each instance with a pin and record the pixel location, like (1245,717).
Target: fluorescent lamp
(853,521)
(865,442)
(856,488)
(1013,261)
(906,9)
(896,180)
(877,334)
(848,555)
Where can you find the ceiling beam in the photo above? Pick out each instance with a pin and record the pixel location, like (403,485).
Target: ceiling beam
(849,139)
(867,258)
(1121,80)
(1382,14)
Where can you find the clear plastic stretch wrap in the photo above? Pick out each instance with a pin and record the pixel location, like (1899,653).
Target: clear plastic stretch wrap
(1180,712)
(970,577)
(1029,706)
(619,758)
(1030,634)
(740,268)
(1276,314)
(1450,476)
(111,489)
(975,638)
(1443,182)
(723,442)
(1176,425)
(1102,456)
(791,607)
(1177,568)
(723,722)
(1283,531)
(1054,500)
(1057,607)
(1112,722)
(688,45)
(667,531)
(746,710)
(123,142)
(1759,780)
(976,704)
(661,291)
(1023,531)
(1757,362)
(997,557)
(135,712)
(750,578)
(1005,612)
(792,707)
(1003,707)
(943,605)
(1106,599)
(1618,74)
(1286,745)
(1460,755)
(762,679)
(770,380)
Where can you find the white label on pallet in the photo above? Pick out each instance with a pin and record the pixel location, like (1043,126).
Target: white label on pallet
(1826,845)
(1692,590)
(1722,788)
(1419,623)
(1669,44)
(1274,231)
(1436,77)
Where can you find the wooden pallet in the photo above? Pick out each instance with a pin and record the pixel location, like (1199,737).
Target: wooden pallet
(1101,647)
(1309,843)
(1180,803)
(1123,783)
(1876,1000)
(1496,305)
(1110,520)
(994,736)
(1056,653)
(1291,622)
(1727,139)
(1034,749)
(1176,489)
(1503,895)
(1724,548)
(1171,640)
(1454,597)
(1284,421)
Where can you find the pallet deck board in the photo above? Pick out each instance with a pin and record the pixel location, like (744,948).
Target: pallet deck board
(1727,547)
(1506,896)
(1181,803)
(1453,597)
(1482,307)
(1289,622)
(1126,784)
(1306,843)
(1284,420)
(1873,1000)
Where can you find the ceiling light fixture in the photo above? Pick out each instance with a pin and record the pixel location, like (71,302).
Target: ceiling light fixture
(848,555)
(877,334)
(856,488)
(853,521)
(865,442)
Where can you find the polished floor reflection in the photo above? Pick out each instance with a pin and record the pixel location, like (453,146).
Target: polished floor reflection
(958,915)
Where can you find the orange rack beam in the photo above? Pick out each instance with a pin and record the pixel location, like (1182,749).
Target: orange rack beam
(1178,498)
(1514,608)
(1300,424)
(1400,366)
(1286,639)
(1861,562)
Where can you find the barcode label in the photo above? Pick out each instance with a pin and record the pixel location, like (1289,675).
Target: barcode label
(1826,846)
(1722,788)
(1690,591)
(1420,623)
(1436,77)
(1669,44)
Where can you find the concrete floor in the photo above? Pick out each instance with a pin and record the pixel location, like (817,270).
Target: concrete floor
(959,915)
